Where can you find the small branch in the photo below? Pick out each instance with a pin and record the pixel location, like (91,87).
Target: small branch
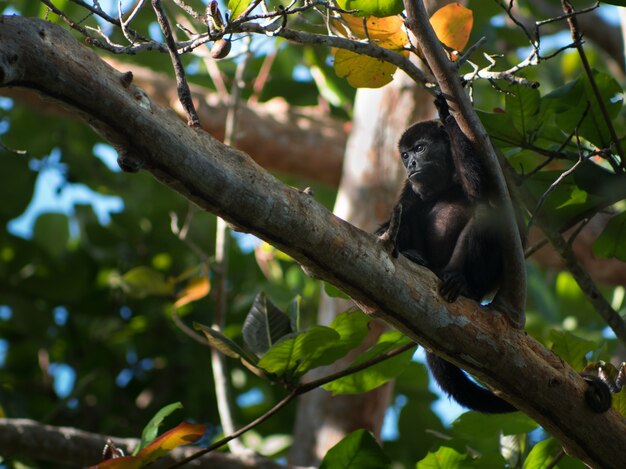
(577,37)
(183,88)
(298,390)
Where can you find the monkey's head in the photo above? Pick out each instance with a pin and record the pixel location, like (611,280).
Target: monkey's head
(426,156)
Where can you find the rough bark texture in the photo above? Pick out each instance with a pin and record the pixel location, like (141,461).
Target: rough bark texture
(40,55)
(301,142)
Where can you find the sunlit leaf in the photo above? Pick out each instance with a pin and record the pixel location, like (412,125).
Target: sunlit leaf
(358,450)
(362,71)
(237,7)
(142,281)
(293,357)
(151,430)
(477,425)
(334,292)
(197,288)
(443,458)
(453,25)
(386,32)
(377,375)
(183,434)
(377,8)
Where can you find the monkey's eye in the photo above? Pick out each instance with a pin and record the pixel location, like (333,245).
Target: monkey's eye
(419,148)
(404,155)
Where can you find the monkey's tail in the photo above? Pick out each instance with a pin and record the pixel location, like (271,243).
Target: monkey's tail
(463,390)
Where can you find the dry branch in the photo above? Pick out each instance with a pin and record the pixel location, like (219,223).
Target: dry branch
(42,56)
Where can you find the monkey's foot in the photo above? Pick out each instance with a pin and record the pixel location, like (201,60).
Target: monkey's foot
(453,285)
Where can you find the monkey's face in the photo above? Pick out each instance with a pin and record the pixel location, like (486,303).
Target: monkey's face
(425,152)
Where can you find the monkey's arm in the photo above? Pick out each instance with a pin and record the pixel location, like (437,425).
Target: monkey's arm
(467,166)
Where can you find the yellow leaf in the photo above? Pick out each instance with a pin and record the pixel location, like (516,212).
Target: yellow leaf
(363,71)
(453,25)
(197,288)
(386,32)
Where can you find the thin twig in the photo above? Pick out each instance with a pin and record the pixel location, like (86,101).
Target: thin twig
(577,37)
(184,95)
(298,390)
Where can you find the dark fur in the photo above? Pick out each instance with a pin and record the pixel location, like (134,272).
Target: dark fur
(450,225)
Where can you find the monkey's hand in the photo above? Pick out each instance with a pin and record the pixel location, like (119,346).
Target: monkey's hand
(442,106)
(453,285)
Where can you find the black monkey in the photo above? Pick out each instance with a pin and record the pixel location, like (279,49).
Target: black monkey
(449,225)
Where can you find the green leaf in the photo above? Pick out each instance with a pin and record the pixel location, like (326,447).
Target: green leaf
(611,242)
(541,455)
(477,425)
(237,7)
(358,450)
(377,8)
(224,344)
(142,281)
(292,358)
(570,348)
(522,104)
(443,458)
(376,375)
(264,325)
(52,232)
(151,430)
(334,292)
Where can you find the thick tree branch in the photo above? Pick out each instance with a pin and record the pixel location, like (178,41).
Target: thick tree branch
(511,299)
(66,445)
(39,55)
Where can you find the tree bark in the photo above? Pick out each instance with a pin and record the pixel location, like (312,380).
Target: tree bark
(42,56)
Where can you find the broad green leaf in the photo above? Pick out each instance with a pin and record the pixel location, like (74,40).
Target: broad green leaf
(196,288)
(151,430)
(453,25)
(570,348)
(142,281)
(541,455)
(183,434)
(500,127)
(611,242)
(237,7)
(362,71)
(264,325)
(292,358)
(443,458)
(358,450)
(376,375)
(376,8)
(477,425)
(52,232)
(352,327)
(522,104)
(334,292)
(224,344)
